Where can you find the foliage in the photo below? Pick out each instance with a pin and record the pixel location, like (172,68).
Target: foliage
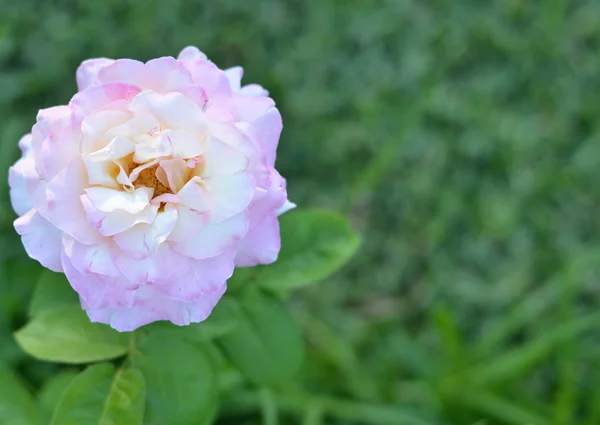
(462,140)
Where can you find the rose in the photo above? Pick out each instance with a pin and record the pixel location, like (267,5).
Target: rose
(150,186)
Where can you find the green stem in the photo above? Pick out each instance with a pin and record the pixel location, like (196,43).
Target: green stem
(268,407)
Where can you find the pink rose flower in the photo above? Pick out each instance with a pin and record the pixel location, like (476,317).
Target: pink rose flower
(150,186)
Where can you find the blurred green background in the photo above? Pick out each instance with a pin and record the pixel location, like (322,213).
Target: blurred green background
(462,138)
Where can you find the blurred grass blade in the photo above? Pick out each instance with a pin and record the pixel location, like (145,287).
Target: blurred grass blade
(451,339)
(336,352)
(499,409)
(519,360)
(526,312)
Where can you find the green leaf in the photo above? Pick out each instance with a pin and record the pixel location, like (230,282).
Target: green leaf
(314,244)
(180,379)
(17,405)
(66,335)
(99,396)
(267,345)
(52,291)
(53,389)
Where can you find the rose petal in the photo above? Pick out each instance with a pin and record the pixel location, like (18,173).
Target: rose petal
(214,239)
(42,241)
(142,240)
(87,73)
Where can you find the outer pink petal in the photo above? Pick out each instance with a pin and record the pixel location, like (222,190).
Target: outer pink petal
(234,75)
(99,291)
(95,98)
(191,53)
(265,132)
(215,238)
(151,306)
(127,71)
(254,90)
(261,245)
(267,201)
(245,108)
(55,140)
(208,76)
(166,74)
(42,241)
(87,73)
(90,259)
(203,278)
(164,266)
(65,209)
(24,182)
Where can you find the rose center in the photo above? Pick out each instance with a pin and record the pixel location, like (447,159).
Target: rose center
(147,178)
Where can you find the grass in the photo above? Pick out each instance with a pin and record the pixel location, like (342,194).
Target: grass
(463,140)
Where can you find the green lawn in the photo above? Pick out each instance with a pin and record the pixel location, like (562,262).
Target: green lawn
(462,138)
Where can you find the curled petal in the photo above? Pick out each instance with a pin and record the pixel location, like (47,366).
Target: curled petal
(173,173)
(194,196)
(109,200)
(113,221)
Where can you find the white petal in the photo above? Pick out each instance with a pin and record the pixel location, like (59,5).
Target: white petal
(109,200)
(142,240)
(116,221)
(229,194)
(215,238)
(185,145)
(172,110)
(173,173)
(189,224)
(194,196)
(221,158)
